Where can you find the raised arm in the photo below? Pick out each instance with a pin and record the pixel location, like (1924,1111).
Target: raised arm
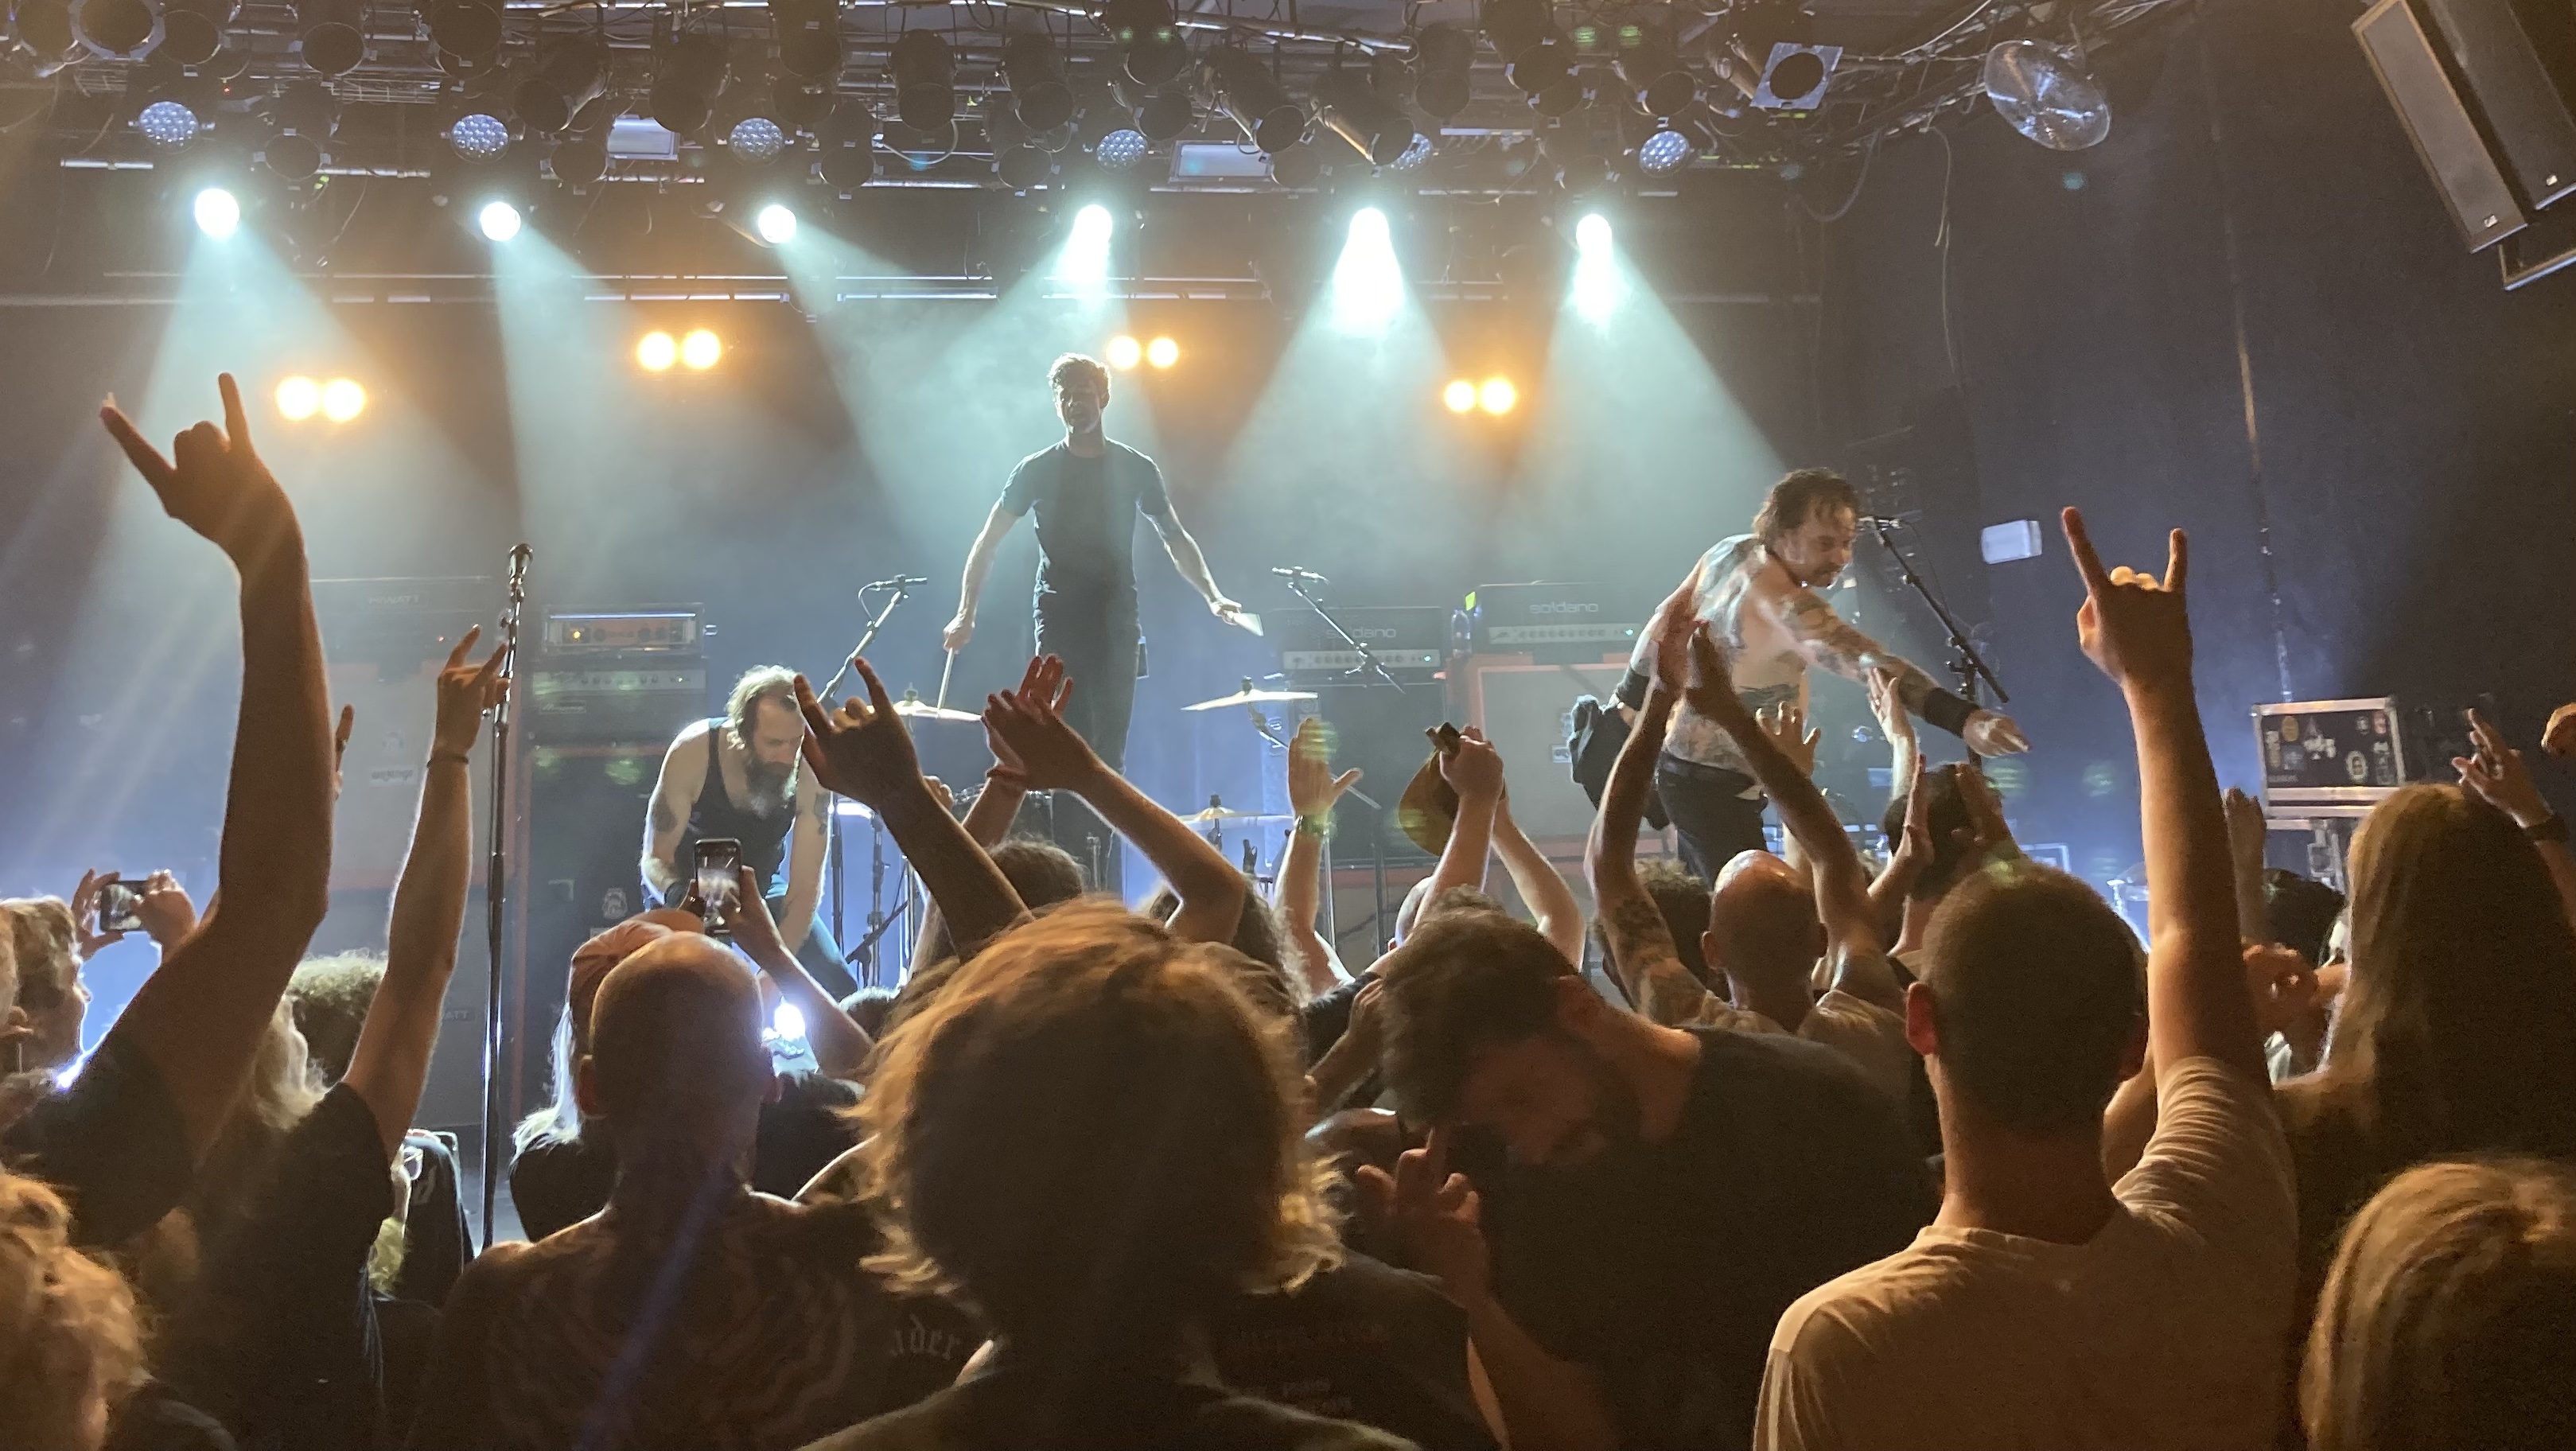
(1852,935)
(684,774)
(979,563)
(1541,885)
(2138,630)
(391,1060)
(200,1019)
(1054,758)
(2498,776)
(862,751)
(1831,643)
(809,841)
(1312,790)
(2245,865)
(840,1045)
(1642,955)
(1475,771)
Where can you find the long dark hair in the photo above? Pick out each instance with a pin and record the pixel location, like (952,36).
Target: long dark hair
(2455,1033)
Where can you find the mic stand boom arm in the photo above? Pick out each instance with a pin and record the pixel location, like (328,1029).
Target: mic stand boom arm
(832,802)
(495,888)
(1369,663)
(1965,662)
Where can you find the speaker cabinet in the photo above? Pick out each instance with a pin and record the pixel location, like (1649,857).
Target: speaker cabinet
(1527,711)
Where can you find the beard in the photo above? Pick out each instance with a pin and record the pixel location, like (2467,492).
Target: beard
(768,785)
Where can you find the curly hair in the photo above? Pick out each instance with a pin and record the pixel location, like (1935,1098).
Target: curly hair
(42,936)
(69,1333)
(330,997)
(1093,1064)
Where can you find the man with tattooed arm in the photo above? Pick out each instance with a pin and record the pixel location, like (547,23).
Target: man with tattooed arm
(1762,594)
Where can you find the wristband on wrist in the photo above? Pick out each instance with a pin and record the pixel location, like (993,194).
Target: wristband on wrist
(1318,827)
(459,757)
(1948,711)
(2552,827)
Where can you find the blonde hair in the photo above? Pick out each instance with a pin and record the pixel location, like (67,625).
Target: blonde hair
(68,1330)
(42,935)
(2447,1317)
(1090,1126)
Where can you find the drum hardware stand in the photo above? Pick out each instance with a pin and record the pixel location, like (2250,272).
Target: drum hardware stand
(495,880)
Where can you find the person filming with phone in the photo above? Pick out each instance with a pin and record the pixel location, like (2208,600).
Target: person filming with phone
(736,778)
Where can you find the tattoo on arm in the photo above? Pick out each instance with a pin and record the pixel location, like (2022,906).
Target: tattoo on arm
(1641,951)
(1834,644)
(665,818)
(818,814)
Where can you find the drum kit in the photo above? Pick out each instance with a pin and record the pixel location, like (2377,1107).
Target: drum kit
(1217,822)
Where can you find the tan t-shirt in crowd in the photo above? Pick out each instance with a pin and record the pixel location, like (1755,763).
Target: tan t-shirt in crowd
(2162,1331)
(1862,1031)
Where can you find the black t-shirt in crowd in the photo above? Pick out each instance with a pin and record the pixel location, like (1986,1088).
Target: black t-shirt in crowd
(1007,1407)
(1664,1267)
(1086,515)
(280,1341)
(562,1182)
(113,1144)
(1363,1341)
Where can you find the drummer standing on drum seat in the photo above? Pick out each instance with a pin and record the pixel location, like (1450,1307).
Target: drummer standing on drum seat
(740,776)
(1087,491)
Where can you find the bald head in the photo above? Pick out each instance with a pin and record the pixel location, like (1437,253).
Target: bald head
(676,1027)
(1762,923)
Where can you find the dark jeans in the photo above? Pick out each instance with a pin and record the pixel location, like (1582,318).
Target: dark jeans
(1095,636)
(1709,809)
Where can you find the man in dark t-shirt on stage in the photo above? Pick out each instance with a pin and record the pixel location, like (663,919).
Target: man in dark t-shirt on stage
(1086,492)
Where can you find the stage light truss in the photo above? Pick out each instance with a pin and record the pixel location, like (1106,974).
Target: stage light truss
(1640,75)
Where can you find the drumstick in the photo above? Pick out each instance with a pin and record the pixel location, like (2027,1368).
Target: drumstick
(944,672)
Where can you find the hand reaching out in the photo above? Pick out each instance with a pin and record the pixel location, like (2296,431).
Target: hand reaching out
(213,481)
(2283,984)
(1989,734)
(1986,832)
(957,633)
(2560,738)
(1312,786)
(1029,725)
(340,745)
(2245,827)
(465,691)
(2498,776)
(747,918)
(1914,848)
(1785,722)
(88,941)
(165,911)
(1475,769)
(1672,628)
(2135,627)
(1893,720)
(861,750)
(1435,1215)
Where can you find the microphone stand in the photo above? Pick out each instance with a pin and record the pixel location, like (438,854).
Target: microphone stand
(495,891)
(1965,662)
(832,846)
(1369,663)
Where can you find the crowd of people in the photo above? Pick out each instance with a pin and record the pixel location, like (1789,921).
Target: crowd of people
(1821,1153)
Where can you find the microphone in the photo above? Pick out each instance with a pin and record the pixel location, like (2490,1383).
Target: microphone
(520,554)
(1882,521)
(900,581)
(1302,574)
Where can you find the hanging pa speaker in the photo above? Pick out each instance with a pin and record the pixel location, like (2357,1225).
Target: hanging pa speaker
(2503,55)
(2437,120)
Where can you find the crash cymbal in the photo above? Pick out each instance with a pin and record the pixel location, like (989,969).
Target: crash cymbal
(913,707)
(1220,813)
(1249,696)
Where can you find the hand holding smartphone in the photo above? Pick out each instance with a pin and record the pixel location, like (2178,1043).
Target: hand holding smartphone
(117,903)
(717,871)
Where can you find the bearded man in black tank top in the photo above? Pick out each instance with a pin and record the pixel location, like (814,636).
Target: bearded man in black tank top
(1087,492)
(738,776)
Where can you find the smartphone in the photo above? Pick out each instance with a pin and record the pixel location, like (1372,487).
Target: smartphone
(116,907)
(718,870)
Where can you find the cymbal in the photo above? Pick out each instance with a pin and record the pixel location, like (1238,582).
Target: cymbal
(1249,696)
(913,707)
(1224,813)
